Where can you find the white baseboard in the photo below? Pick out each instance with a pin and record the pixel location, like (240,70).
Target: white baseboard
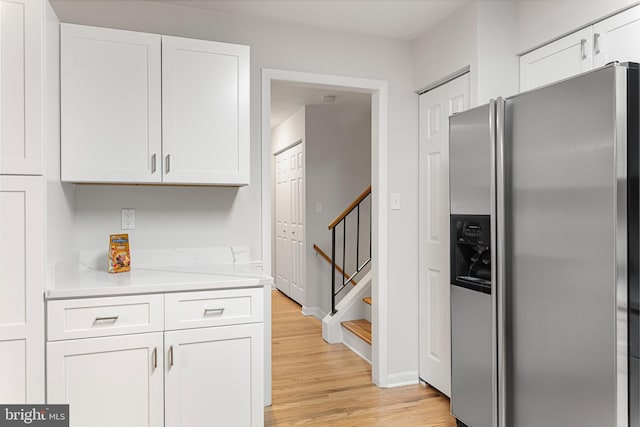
(402,378)
(316,312)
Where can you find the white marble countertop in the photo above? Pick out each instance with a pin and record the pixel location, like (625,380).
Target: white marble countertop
(93,283)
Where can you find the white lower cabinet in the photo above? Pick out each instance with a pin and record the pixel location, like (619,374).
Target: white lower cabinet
(109,381)
(213,377)
(198,376)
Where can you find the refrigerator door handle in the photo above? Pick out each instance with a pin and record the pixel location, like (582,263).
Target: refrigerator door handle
(498,216)
(494,302)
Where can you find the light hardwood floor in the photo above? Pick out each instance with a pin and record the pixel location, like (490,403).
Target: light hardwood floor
(319,384)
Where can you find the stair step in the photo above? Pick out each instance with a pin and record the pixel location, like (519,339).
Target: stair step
(368,300)
(361,328)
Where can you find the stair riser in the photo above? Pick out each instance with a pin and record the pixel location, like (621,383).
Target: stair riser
(356,344)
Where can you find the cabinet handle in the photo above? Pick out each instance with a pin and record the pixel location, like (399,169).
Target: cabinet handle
(213,310)
(596,43)
(170,356)
(168,163)
(583,48)
(153,163)
(154,357)
(107,319)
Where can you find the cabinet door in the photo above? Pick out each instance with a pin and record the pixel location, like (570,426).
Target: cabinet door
(110,100)
(214,377)
(21,290)
(559,60)
(20,87)
(616,38)
(205,112)
(111,381)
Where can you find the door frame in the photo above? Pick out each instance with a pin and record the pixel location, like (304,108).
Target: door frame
(379,90)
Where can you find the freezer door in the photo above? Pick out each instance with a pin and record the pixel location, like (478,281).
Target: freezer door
(565,253)
(470,162)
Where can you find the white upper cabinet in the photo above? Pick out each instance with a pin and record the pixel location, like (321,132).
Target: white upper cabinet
(561,59)
(145,108)
(612,39)
(110,89)
(20,87)
(616,38)
(205,112)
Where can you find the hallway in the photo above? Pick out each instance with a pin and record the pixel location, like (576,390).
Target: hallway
(318,384)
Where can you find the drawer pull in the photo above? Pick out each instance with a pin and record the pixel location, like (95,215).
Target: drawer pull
(213,311)
(107,319)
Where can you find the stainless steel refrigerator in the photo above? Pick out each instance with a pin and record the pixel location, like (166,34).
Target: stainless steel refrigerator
(565,254)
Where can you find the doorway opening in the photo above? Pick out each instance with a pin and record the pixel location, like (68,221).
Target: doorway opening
(378,91)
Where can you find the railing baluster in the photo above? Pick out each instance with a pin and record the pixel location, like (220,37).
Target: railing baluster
(344,249)
(358,238)
(333,271)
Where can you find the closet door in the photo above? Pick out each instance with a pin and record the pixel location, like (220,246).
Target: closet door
(434,252)
(559,60)
(616,38)
(290,223)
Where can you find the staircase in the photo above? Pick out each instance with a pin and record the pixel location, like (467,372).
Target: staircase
(349,321)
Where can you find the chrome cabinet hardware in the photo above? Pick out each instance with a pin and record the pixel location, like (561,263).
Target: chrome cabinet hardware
(154,357)
(213,310)
(596,43)
(583,48)
(153,163)
(107,319)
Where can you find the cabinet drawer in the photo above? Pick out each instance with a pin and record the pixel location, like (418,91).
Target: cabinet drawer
(96,317)
(213,308)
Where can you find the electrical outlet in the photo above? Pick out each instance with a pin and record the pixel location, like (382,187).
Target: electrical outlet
(128,219)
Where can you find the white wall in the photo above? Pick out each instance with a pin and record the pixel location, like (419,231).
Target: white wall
(482,36)
(447,47)
(338,169)
(288,132)
(497,60)
(222,213)
(59,198)
(539,21)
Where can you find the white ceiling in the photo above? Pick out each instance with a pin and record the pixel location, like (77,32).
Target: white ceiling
(289,97)
(405,19)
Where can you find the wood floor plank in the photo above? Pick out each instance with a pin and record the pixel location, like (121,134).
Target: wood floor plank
(320,384)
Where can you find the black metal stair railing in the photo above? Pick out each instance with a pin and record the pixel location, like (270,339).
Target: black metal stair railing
(341,222)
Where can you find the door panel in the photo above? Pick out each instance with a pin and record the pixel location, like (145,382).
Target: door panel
(560,288)
(21,87)
(110,105)
(615,38)
(559,60)
(110,381)
(215,378)
(435,338)
(290,218)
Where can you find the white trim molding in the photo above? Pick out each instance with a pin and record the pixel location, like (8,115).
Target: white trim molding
(403,378)
(379,90)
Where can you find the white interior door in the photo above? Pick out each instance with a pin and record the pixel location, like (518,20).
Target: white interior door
(283,245)
(296,226)
(435,315)
(290,220)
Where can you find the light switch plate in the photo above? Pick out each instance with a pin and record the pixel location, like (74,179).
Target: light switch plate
(128,219)
(395,201)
